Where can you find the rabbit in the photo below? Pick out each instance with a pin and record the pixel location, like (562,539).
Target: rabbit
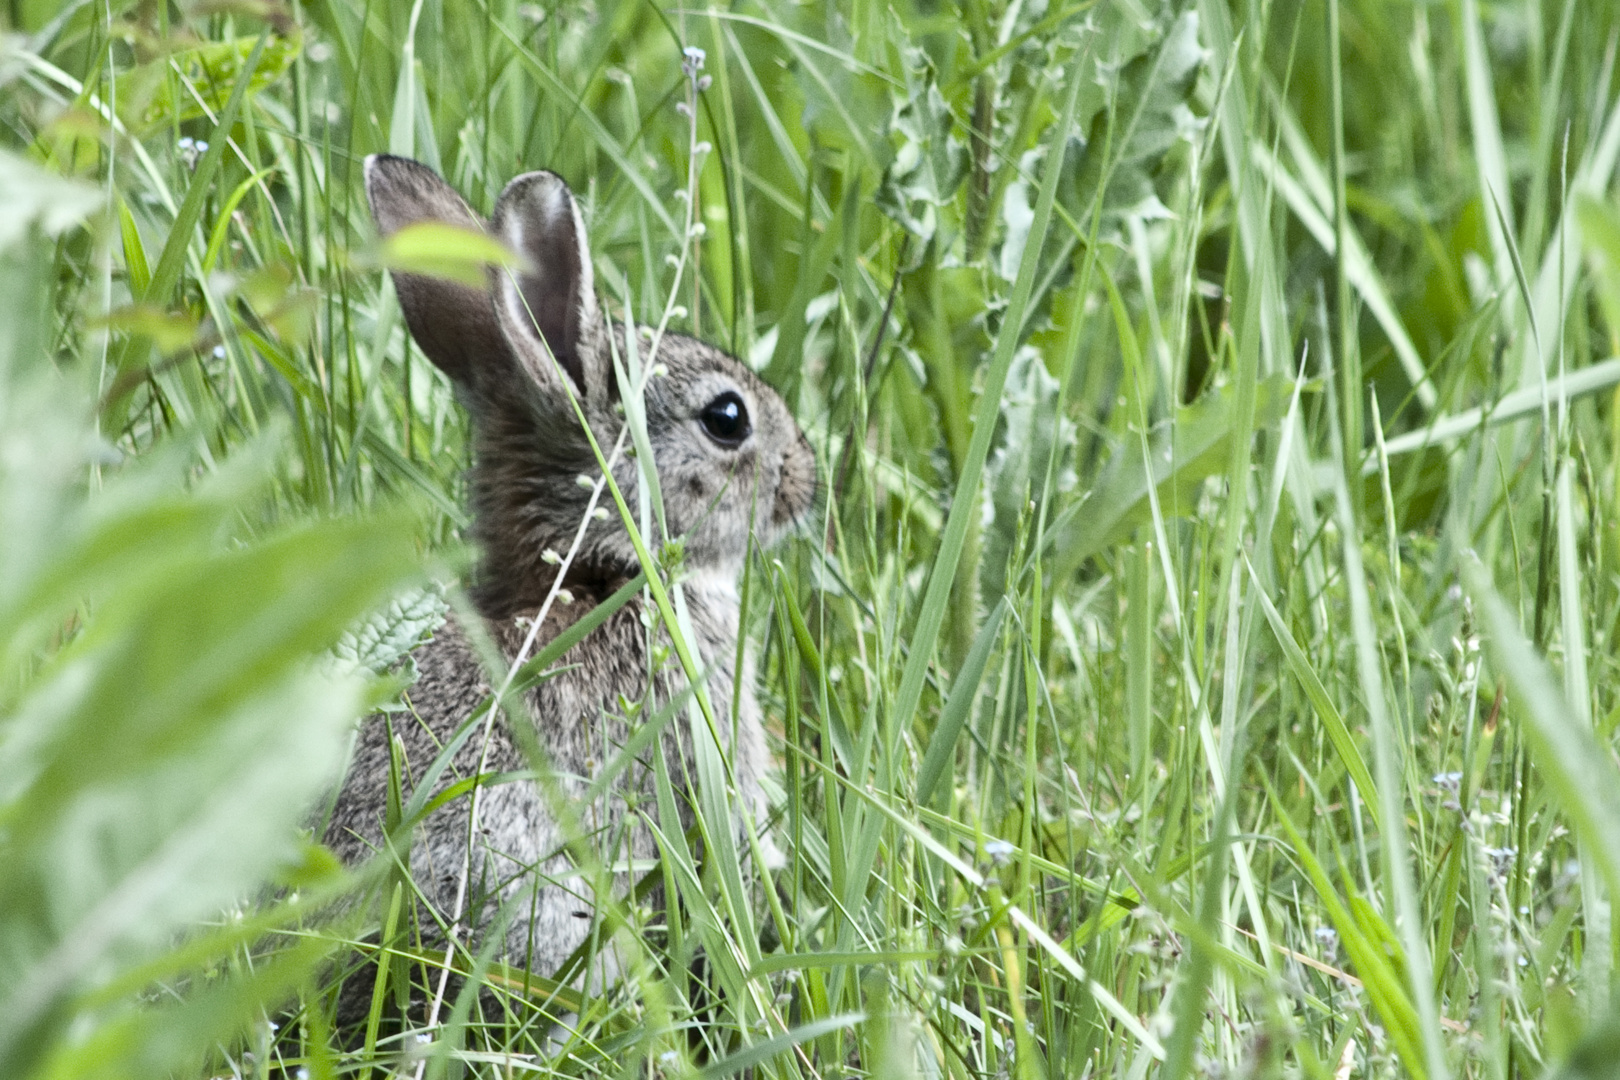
(733,465)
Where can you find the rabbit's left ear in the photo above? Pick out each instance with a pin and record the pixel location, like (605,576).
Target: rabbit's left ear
(548,309)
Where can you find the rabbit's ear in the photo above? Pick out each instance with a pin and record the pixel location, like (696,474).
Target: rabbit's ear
(449,321)
(550,304)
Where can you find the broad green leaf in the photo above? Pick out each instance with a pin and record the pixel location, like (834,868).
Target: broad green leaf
(1184,455)
(164,1038)
(160,765)
(440,249)
(169,331)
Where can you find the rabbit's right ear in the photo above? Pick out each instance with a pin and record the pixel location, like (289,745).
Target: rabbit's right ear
(448,320)
(549,307)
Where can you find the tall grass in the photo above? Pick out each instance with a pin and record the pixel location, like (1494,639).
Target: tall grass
(1202,659)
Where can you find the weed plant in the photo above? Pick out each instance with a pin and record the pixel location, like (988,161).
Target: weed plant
(1201,661)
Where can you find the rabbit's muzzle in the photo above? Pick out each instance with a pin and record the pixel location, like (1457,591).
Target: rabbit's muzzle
(797,489)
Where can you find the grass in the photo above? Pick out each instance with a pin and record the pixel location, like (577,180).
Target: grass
(1201,662)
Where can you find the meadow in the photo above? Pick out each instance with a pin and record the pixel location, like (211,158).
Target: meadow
(1200,662)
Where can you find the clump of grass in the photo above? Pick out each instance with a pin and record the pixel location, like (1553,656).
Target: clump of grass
(1201,661)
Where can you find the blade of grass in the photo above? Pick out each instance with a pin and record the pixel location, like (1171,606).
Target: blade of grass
(1338,734)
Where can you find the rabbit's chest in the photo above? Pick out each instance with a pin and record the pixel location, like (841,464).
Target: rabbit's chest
(612,685)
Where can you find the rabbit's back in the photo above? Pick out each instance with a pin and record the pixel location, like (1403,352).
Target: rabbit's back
(521,867)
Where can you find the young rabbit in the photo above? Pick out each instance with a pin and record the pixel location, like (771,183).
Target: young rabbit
(732,465)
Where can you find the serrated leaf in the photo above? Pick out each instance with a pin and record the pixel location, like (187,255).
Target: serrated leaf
(161,763)
(929,161)
(377,642)
(1151,112)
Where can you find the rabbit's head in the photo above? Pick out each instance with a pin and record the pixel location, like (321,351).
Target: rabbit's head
(525,351)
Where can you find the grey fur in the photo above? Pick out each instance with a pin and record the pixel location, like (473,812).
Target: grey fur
(517,353)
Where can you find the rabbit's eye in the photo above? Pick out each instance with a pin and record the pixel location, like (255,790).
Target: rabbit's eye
(725,419)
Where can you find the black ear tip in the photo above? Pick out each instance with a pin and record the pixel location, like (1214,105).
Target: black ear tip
(380,166)
(535,198)
(393,161)
(385,171)
(544,180)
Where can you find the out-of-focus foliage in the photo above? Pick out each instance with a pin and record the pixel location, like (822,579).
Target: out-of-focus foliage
(166,722)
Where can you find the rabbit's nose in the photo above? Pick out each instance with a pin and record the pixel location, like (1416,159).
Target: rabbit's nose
(797,488)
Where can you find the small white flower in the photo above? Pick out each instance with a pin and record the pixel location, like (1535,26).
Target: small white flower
(550,557)
(190,150)
(564,597)
(585,482)
(600,513)
(999,850)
